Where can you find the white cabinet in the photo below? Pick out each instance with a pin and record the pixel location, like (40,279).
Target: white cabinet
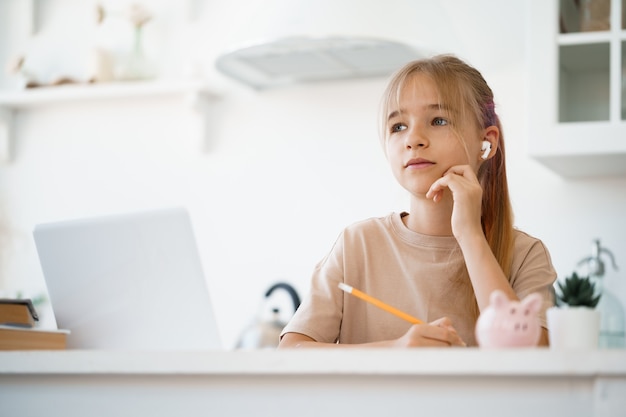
(577,103)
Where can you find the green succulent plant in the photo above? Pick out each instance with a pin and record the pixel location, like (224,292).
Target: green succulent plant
(577,291)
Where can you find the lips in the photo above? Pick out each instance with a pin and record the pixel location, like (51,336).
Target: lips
(418,163)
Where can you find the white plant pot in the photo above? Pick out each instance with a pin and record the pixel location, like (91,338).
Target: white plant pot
(573,327)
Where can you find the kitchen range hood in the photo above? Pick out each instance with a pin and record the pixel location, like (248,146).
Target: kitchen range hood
(302,59)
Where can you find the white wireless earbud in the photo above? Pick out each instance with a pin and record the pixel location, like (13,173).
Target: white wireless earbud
(486,148)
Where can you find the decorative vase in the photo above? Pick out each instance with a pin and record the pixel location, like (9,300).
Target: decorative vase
(573,328)
(101,65)
(136,66)
(611,317)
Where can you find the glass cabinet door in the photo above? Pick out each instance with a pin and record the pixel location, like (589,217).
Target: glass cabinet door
(584,82)
(584,60)
(584,16)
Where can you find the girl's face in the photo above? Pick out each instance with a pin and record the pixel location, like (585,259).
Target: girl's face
(422,137)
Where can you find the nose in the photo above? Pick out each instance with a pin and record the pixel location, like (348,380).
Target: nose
(415,139)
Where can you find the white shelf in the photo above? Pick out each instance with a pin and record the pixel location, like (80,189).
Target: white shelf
(197,93)
(43,96)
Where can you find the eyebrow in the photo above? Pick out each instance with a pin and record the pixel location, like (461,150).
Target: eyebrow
(397,113)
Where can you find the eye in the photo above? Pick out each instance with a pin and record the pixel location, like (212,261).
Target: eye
(439,121)
(398,127)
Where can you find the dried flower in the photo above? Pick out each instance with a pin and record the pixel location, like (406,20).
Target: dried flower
(16,64)
(138,15)
(100,13)
(16,67)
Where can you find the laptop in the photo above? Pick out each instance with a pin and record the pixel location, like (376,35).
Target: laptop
(131,281)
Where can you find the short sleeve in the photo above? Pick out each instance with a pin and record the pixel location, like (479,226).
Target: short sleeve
(320,313)
(532,271)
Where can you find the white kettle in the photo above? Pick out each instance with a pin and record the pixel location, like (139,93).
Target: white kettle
(263,333)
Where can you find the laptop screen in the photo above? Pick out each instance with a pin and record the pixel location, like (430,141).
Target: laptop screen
(131,281)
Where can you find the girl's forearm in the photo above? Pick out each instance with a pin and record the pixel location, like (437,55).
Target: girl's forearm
(484,271)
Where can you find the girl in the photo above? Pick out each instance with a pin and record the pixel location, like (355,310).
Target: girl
(442,260)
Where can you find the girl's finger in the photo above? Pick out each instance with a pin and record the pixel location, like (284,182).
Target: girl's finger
(436,189)
(462,170)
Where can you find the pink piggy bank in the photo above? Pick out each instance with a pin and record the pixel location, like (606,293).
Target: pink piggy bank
(507,323)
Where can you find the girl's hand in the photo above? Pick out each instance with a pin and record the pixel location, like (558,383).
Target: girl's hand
(439,333)
(467,199)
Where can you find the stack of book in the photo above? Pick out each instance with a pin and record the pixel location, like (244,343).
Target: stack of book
(18,318)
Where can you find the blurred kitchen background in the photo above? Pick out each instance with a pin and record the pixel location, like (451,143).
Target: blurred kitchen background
(270,176)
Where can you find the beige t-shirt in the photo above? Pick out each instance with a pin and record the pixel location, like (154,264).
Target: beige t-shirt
(422,275)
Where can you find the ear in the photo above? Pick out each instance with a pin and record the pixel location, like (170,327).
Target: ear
(492,135)
(498,299)
(532,302)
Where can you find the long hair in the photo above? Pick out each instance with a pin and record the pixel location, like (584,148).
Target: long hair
(464,90)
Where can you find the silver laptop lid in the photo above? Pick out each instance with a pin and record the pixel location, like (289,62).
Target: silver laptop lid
(131,281)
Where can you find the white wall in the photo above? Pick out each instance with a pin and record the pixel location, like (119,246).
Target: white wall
(284,170)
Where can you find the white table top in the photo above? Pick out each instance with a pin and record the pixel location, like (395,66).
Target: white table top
(460,361)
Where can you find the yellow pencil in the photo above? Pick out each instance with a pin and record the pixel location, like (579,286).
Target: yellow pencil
(360,294)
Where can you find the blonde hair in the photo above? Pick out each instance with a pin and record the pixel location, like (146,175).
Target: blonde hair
(464,91)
